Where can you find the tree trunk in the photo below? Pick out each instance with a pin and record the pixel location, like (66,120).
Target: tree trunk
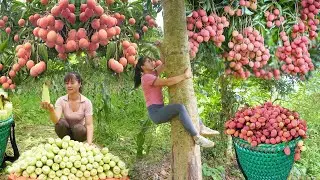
(186,158)
(228,102)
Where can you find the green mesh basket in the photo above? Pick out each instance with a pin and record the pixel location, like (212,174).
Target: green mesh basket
(265,161)
(5,129)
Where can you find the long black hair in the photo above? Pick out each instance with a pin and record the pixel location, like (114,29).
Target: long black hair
(73,76)
(138,71)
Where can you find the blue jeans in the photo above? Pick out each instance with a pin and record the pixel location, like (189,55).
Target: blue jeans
(162,114)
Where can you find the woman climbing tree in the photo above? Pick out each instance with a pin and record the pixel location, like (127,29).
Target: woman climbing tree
(146,75)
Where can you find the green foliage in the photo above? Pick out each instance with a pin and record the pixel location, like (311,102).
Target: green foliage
(141,139)
(305,101)
(217,173)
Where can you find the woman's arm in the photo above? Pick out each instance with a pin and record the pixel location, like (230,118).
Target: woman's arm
(173,80)
(54,114)
(89,126)
(161,67)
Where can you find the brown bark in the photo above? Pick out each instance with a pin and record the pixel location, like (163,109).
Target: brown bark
(186,158)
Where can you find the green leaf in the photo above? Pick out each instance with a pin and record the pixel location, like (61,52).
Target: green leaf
(130,12)
(111,50)
(247,11)
(43,52)
(3,45)
(23,13)
(190,14)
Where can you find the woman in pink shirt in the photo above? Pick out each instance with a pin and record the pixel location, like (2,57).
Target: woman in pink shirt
(76,110)
(146,75)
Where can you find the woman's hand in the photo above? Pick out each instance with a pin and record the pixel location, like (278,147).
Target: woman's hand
(187,73)
(54,114)
(158,44)
(47,106)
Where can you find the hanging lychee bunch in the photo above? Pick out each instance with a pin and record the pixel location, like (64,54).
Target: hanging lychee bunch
(120,18)
(295,55)
(129,56)
(273,17)
(3,22)
(21,23)
(252,4)
(34,18)
(67,10)
(298,29)
(203,28)
(7,82)
(130,51)
(89,10)
(150,23)
(23,53)
(231,11)
(103,28)
(247,52)
(309,11)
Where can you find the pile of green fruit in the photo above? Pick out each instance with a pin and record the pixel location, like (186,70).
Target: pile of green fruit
(63,159)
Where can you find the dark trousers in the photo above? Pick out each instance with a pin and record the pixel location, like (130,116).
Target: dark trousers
(78,132)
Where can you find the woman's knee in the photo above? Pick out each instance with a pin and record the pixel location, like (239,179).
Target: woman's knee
(62,123)
(155,118)
(62,128)
(180,107)
(79,132)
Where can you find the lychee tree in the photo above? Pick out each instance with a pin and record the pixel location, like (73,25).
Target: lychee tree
(265,39)
(44,30)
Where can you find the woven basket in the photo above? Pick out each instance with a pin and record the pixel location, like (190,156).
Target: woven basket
(265,161)
(5,129)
